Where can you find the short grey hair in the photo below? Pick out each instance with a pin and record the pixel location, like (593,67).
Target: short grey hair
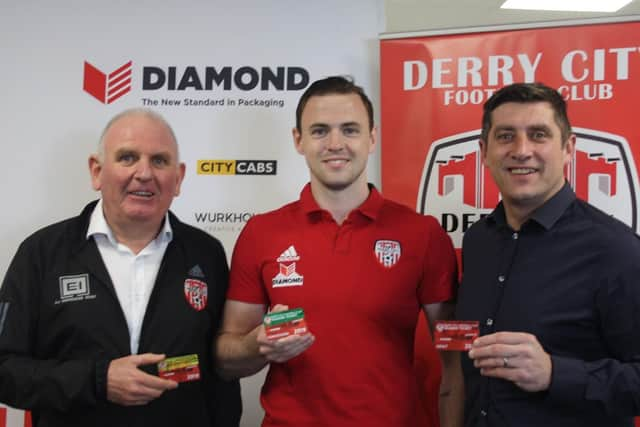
(137,111)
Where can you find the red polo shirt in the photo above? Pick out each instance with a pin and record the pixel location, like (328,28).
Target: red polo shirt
(361,285)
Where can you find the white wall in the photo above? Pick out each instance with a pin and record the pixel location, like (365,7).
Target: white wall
(50,125)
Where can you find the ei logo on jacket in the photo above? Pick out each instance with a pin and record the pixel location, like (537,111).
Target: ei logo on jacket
(458,189)
(74,288)
(287,275)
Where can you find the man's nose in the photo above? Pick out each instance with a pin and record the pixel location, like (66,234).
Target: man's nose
(143,170)
(522,146)
(335,141)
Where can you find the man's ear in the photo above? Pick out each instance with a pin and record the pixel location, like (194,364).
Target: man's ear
(569,148)
(181,171)
(297,140)
(373,136)
(95,169)
(483,150)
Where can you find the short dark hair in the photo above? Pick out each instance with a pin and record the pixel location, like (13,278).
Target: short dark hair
(341,85)
(526,93)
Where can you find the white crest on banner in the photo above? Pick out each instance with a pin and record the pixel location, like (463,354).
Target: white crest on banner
(458,190)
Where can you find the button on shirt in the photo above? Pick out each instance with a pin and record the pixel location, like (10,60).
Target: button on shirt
(569,276)
(132,275)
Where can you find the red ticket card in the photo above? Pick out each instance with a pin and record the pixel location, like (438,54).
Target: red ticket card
(284,323)
(180,369)
(455,335)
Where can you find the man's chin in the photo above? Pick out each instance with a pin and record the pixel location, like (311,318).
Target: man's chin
(337,186)
(525,199)
(143,216)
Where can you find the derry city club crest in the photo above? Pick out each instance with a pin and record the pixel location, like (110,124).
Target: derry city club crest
(387,252)
(195,291)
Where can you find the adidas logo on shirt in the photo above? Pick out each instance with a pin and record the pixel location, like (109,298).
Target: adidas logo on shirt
(289,255)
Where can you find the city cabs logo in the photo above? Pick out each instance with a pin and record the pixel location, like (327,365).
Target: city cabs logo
(237,167)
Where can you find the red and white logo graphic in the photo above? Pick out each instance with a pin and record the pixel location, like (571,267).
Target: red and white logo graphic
(287,275)
(10,417)
(196,291)
(387,252)
(457,189)
(106,88)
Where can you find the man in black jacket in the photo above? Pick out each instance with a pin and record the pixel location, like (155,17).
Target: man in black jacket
(91,305)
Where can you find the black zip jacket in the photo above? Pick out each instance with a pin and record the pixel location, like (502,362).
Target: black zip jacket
(61,324)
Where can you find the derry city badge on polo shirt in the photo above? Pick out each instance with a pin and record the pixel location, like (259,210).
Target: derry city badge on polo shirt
(287,275)
(196,291)
(387,252)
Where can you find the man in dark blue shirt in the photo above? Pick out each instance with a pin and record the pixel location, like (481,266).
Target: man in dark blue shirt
(553,281)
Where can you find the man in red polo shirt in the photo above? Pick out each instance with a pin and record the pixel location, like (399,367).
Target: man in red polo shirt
(360,266)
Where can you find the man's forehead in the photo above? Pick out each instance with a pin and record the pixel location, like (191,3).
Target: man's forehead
(523,112)
(130,131)
(334,108)
(520,107)
(135,121)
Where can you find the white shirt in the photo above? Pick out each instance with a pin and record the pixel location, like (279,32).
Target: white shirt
(133,276)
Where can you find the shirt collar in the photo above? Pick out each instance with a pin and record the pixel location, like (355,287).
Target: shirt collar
(370,208)
(98,225)
(547,214)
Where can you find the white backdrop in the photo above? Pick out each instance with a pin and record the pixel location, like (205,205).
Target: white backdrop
(50,125)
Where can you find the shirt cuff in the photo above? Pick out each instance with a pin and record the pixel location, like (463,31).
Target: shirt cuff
(568,380)
(102,366)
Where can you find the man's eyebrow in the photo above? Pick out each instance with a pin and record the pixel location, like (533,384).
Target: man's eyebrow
(503,127)
(535,126)
(124,150)
(345,124)
(539,127)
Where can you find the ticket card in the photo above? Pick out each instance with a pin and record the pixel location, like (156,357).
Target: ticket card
(284,323)
(180,369)
(455,335)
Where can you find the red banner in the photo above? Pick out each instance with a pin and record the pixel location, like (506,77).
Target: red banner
(433,88)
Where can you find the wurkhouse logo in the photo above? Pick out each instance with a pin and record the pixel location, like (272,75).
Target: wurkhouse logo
(287,275)
(222,221)
(223,217)
(387,252)
(106,88)
(237,167)
(458,189)
(196,291)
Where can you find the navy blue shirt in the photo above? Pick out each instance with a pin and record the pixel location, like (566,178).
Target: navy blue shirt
(571,277)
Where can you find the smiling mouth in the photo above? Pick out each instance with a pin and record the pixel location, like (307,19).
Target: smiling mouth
(522,171)
(336,161)
(141,193)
